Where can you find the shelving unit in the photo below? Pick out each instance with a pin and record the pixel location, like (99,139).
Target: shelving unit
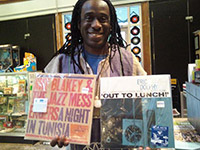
(193,103)
(13,104)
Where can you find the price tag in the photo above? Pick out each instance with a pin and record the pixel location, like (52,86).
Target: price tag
(160,104)
(40,105)
(85,90)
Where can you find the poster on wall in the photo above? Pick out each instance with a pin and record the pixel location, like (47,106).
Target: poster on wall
(136,111)
(61,104)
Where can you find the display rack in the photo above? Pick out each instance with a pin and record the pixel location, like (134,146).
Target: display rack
(13,104)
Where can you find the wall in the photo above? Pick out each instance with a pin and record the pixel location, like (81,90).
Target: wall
(32,8)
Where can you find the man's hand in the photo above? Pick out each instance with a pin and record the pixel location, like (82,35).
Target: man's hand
(60,141)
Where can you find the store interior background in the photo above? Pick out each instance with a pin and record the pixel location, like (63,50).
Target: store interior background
(168,26)
(168,32)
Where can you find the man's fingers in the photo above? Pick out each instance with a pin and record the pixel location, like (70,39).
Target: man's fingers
(54,142)
(61,142)
(66,143)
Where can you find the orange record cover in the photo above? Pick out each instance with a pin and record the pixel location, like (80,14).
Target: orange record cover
(61,104)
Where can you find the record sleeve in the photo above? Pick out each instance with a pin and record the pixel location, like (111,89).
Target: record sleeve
(136,111)
(61,104)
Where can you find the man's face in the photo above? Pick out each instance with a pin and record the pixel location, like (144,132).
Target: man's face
(95,24)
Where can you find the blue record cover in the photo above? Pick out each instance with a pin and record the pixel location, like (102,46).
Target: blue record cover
(136,111)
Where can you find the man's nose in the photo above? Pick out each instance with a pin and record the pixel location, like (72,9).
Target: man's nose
(96,24)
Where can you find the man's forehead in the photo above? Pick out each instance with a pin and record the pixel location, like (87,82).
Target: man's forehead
(93,4)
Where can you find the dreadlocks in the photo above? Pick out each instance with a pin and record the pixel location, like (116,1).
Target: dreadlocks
(115,38)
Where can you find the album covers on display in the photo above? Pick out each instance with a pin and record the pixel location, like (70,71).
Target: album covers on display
(136,111)
(61,104)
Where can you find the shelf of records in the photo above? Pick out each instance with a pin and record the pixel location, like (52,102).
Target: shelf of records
(13,103)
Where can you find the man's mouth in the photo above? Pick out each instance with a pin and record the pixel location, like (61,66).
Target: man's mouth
(95,35)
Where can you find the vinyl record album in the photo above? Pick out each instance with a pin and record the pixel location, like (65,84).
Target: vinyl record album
(138,58)
(135,40)
(136,50)
(134,18)
(135,30)
(136,111)
(68,26)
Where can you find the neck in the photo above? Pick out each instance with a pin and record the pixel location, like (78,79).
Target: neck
(97,51)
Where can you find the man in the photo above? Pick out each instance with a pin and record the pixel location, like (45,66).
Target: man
(96,47)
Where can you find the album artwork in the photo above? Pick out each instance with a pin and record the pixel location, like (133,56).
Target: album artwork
(136,111)
(61,105)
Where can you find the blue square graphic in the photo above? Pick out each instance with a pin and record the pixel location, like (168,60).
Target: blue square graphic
(159,136)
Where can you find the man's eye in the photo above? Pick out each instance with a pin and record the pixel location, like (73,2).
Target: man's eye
(103,19)
(88,18)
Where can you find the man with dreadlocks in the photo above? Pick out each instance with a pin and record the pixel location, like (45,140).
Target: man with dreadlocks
(96,47)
